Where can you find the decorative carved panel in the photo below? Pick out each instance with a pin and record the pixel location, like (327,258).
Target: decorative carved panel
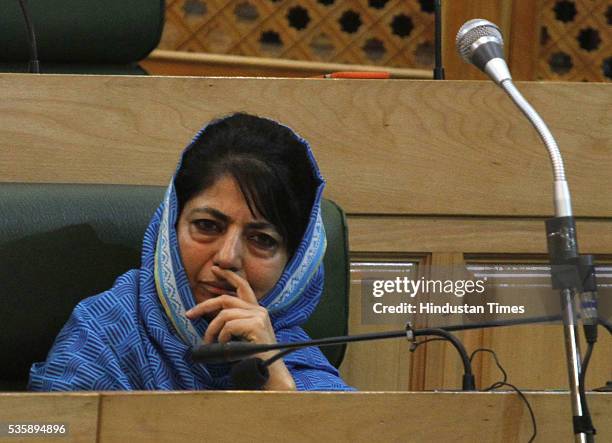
(395,33)
(575,40)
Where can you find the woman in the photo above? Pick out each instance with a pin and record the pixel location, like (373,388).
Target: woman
(233,252)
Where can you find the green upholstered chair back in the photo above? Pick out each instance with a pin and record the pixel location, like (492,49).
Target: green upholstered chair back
(81,36)
(62,243)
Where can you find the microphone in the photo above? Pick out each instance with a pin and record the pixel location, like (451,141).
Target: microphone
(227,352)
(252,373)
(480,43)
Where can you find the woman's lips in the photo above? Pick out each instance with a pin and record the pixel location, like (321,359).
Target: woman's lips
(217,289)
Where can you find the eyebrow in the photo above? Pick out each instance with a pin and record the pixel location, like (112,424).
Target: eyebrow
(226,219)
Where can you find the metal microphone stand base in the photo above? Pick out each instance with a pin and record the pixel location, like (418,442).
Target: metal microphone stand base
(566,276)
(572,352)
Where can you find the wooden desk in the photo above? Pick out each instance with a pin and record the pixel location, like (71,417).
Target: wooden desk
(314,416)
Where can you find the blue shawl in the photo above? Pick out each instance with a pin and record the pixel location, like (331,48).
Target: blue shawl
(136,336)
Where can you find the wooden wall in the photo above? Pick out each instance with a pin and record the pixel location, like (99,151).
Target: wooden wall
(430,172)
(395,33)
(544,39)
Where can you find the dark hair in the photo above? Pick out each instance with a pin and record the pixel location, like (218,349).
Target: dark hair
(267,160)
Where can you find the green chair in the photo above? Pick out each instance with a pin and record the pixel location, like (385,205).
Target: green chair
(81,36)
(60,243)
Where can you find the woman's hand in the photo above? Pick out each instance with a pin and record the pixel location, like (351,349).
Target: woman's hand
(242,316)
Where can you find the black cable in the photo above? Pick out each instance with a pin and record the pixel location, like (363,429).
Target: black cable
(504,382)
(468,376)
(499,384)
(497,363)
(34,66)
(468,382)
(220,352)
(584,367)
(606,324)
(416,344)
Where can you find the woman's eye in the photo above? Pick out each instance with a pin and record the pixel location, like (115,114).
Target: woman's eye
(264,241)
(207,226)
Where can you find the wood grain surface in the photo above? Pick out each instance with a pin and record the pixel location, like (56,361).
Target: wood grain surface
(350,417)
(385,147)
(78,412)
(436,170)
(471,235)
(240,416)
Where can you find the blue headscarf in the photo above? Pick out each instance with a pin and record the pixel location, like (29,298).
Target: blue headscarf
(136,336)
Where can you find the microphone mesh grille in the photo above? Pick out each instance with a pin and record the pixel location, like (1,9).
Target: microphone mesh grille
(471,31)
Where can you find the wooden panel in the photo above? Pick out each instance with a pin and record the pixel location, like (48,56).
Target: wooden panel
(273,416)
(455,14)
(383,365)
(471,235)
(439,362)
(384,33)
(401,138)
(79,412)
(575,40)
(524,38)
(161,62)
(534,357)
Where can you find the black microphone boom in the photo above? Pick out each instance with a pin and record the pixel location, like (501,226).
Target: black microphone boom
(250,373)
(227,352)
(233,351)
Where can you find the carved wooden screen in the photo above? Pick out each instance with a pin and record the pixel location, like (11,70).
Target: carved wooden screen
(373,32)
(575,40)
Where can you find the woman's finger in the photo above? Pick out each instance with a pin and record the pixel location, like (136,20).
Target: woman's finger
(243,288)
(225,316)
(251,329)
(224,301)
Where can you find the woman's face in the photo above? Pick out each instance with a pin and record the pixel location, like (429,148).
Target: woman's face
(216,227)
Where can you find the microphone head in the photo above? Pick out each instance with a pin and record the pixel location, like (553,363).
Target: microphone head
(475,33)
(251,373)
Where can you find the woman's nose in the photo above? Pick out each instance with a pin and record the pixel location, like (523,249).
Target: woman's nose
(229,253)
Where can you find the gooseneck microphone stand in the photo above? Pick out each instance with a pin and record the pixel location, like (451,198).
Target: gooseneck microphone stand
(564,261)
(480,42)
(563,254)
